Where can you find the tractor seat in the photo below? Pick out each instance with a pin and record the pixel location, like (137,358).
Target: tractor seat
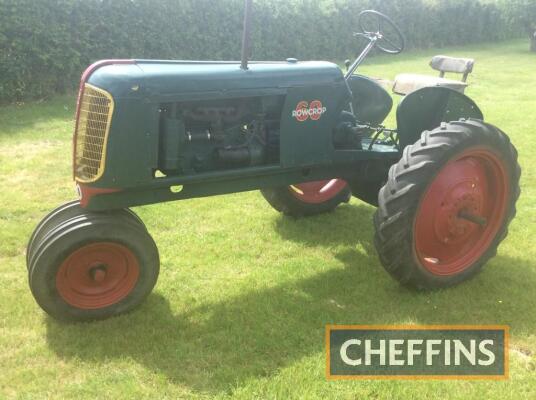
(407,83)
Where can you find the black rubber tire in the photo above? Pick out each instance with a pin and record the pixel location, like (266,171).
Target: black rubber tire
(59,215)
(281,199)
(407,182)
(76,232)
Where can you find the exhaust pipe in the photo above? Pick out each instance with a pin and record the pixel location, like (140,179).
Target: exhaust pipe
(246,34)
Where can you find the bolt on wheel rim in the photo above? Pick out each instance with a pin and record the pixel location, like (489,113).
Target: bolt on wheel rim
(97,275)
(461,212)
(317,191)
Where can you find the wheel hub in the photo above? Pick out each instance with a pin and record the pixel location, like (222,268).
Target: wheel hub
(97,275)
(461,212)
(464,198)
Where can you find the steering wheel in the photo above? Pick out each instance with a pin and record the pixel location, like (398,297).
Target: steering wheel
(379,27)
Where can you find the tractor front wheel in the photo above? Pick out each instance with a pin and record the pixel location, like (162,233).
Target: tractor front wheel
(447,204)
(310,198)
(66,211)
(92,265)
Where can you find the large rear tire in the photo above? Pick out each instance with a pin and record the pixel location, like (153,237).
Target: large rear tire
(447,204)
(306,199)
(93,266)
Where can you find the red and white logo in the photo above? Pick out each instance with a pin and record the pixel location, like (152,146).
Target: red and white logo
(304,111)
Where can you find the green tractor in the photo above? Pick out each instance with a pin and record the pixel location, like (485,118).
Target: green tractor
(308,135)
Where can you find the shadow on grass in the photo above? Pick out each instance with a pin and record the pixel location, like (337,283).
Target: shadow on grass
(215,347)
(348,225)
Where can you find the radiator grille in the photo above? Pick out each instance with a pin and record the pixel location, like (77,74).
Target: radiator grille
(96,108)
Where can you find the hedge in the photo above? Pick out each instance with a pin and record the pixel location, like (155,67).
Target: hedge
(46,44)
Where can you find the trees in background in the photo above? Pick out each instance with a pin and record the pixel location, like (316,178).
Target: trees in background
(46,44)
(523,14)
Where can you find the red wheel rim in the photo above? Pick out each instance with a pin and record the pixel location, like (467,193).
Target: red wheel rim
(317,191)
(461,212)
(97,275)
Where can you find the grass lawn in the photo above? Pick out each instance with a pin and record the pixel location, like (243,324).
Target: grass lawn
(244,293)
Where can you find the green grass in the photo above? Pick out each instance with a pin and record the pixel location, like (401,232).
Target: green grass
(244,293)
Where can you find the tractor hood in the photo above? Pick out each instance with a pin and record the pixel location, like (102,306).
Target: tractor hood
(190,79)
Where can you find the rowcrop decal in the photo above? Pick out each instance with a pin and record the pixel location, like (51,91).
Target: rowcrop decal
(304,111)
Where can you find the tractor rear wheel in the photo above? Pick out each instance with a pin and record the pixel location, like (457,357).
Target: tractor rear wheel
(93,266)
(447,204)
(310,198)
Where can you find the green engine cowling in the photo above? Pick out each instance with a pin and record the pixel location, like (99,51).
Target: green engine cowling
(190,119)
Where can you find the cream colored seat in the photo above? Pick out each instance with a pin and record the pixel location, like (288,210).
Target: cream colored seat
(407,83)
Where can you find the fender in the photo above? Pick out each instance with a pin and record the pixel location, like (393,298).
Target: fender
(426,108)
(370,101)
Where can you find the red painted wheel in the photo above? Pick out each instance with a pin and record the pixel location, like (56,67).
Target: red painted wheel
(93,266)
(97,275)
(318,191)
(461,212)
(447,204)
(310,198)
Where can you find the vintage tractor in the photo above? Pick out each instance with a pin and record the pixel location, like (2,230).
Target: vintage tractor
(306,134)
